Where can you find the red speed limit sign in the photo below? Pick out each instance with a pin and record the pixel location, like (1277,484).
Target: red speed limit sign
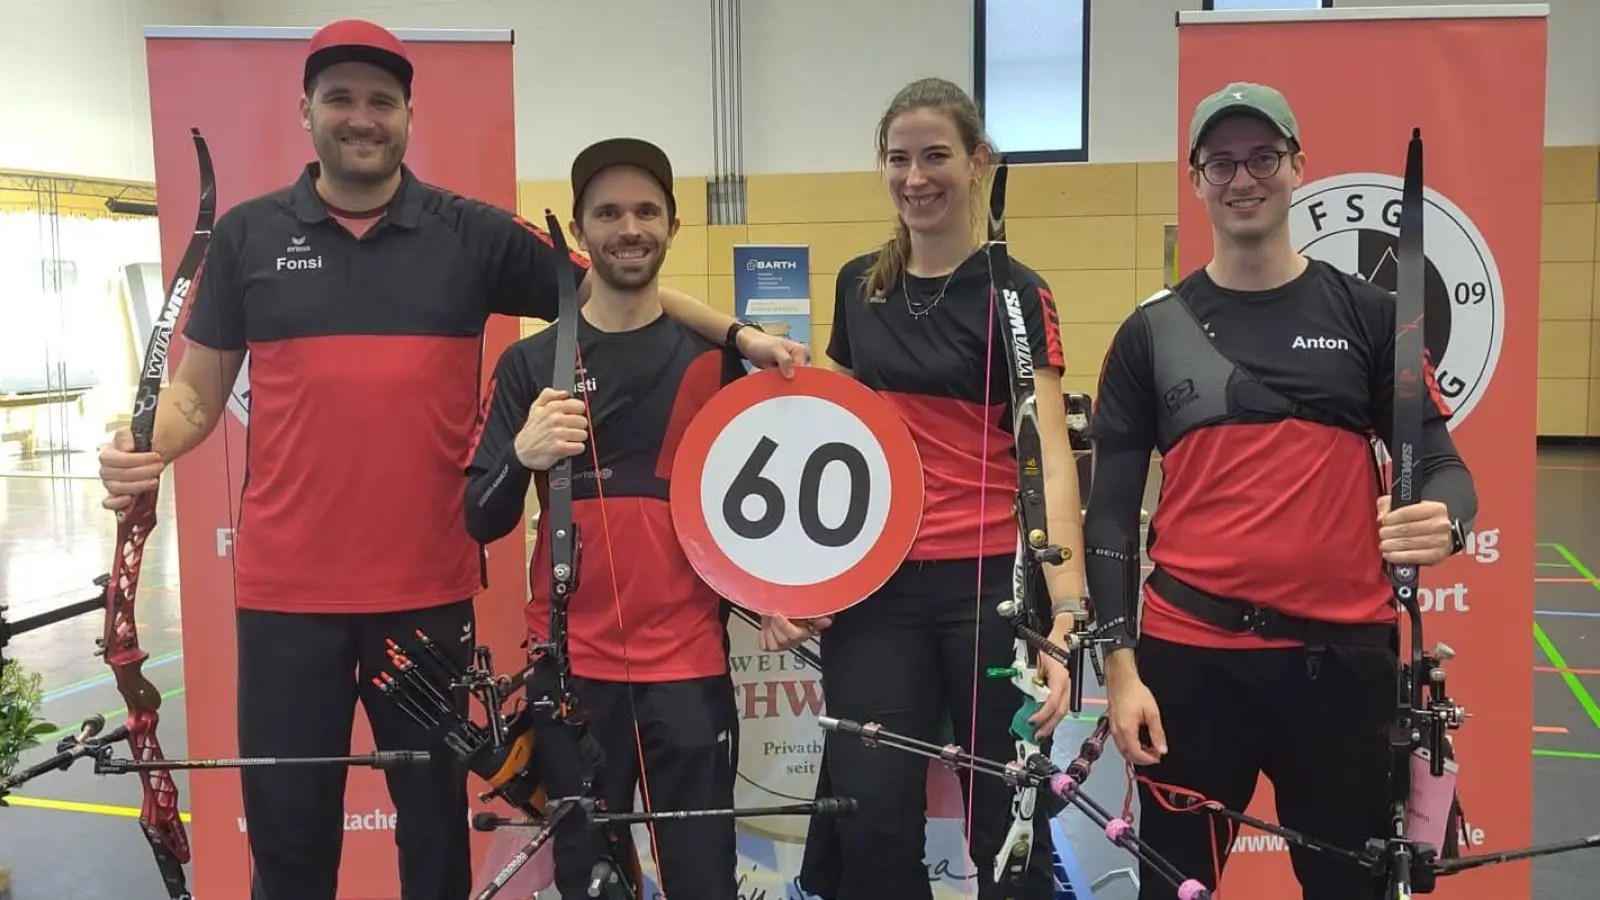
(796,497)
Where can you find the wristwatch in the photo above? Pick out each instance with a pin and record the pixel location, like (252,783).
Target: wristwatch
(732,340)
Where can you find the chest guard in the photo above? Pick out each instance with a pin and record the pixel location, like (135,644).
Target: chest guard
(1196,385)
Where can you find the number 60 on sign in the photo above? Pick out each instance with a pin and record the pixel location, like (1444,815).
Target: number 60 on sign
(796,497)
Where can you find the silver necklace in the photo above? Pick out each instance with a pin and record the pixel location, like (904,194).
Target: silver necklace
(928,305)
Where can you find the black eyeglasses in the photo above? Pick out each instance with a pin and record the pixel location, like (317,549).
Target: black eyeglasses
(1262,164)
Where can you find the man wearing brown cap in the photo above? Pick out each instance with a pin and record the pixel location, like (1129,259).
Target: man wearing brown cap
(648,638)
(361,294)
(1267,639)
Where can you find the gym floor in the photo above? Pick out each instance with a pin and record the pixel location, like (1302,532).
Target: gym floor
(69,835)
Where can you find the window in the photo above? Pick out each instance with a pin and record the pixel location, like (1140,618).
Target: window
(1031,77)
(1266,4)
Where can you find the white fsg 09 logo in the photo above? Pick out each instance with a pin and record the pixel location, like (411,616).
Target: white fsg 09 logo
(1351,222)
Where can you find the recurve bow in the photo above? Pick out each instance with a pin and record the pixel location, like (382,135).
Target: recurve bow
(1029,608)
(158,816)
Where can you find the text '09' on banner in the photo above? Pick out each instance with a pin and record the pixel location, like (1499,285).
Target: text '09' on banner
(796,497)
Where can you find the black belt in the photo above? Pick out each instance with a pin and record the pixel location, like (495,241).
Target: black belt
(1241,617)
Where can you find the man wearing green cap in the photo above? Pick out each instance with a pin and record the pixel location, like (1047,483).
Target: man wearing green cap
(1266,642)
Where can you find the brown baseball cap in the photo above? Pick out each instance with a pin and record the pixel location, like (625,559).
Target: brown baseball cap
(622,151)
(357,40)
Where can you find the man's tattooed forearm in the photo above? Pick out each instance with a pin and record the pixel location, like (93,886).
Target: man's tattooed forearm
(193,410)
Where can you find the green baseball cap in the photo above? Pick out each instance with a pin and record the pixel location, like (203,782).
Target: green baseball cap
(1243,97)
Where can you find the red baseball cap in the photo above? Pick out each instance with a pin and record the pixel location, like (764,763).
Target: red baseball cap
(357,40)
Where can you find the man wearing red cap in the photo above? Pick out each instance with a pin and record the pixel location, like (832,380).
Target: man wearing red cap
(361,294)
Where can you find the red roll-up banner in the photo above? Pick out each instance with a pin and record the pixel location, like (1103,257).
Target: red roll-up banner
(1473,79)
(240,86)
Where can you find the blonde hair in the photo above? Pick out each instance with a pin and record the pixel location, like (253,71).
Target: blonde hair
(947,98)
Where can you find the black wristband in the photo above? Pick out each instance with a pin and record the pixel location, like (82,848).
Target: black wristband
(732,339)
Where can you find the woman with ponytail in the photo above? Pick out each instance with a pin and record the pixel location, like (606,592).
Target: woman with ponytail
(914,320)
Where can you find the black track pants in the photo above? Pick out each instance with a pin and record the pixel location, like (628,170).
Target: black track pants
(1313,724)
(300,676)
(904,658)
(689,735)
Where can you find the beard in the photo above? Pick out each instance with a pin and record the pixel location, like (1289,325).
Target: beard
(632,275)
(353,165)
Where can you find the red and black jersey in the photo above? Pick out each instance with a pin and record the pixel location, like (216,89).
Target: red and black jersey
(924,347)
(643,614)
(364,366)
(1276,511)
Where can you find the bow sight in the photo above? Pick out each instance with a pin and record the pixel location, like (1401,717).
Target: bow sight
(521,753)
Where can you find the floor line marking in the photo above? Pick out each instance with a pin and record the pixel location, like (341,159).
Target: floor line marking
(1573,560)
(1567,754)
(1551,729)
(1552,669)
(1569,580)
(1545,565)
(99,809)
(108,716)
(1575,613)
(1573,684)
(105,678)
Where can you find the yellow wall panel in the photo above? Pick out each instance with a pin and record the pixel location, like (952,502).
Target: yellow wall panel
(688,253)
(533,197)
(1080,242)
(693,285)
(819,346)
(719,292)
(1091,295)
(1087,383)
(832,243)
(1150,241)
(1594,304)
(691,196)
(1158,189)
(1565,291)
(1085,347)
(1103,189)
(823,286)
(1594,253)
(719,247)
(1146,282)
(1594,345)
(1568,232)
(819,197)
(1593,425)
(1570,174)
(1563,406)
(1563,350)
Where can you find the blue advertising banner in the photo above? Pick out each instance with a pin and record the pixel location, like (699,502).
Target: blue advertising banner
(772,288)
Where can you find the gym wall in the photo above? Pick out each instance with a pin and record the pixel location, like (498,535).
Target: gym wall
(1093,229)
